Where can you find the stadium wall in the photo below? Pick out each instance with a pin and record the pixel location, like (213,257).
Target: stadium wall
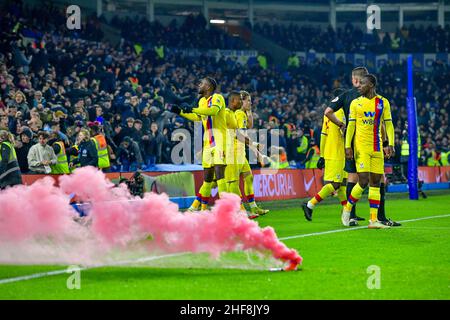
(268,184)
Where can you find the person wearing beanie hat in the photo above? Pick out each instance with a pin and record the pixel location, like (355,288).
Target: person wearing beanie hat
(27,132)
(23,147)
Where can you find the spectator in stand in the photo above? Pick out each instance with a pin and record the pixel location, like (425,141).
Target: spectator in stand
(23,146)
(20,102)
(129,156)
(41,156)
(129,129)
(152,146)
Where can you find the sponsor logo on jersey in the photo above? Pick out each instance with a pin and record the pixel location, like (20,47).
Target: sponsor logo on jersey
(368,121)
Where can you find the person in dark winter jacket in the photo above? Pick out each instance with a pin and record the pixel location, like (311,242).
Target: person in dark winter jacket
(22,149)
(87,153)
(9,167)
(129,156)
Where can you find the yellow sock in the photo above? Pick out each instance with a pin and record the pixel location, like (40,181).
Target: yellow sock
(249,192)
(248,185)
(233,187)
(356,194)
(342,195)
(222,186)
(203,196)
(322,194)
(196,203)
(374,202)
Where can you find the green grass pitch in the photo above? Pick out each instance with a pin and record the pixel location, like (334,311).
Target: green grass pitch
(413,262)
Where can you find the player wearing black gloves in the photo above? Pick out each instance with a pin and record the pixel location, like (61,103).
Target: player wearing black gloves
(321,163)
(185,107)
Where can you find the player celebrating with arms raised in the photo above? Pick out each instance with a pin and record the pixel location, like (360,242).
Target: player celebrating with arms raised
(367,114)
(211,111)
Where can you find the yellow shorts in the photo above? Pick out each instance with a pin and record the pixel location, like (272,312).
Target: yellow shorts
(334,170)
(369,161)
(234,170)
(213,156)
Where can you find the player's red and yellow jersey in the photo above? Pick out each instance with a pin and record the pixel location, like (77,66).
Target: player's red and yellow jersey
(214,126)
(368,115)
(333,148)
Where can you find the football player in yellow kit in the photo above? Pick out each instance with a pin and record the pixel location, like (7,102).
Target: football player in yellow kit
(237,163)
(211,112)
(333,155)
(367,115)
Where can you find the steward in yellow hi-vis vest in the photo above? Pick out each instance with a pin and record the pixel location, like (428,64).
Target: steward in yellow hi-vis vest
(9,167)
(101,146)
(62,165)
(312,157)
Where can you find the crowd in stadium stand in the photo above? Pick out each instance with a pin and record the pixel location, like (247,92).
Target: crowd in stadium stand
(352,39)
(63,86)
(192,33)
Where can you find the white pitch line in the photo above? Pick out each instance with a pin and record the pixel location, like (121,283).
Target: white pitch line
(321,233)
(141,260)
(355,228)
(118,263)
(34,276)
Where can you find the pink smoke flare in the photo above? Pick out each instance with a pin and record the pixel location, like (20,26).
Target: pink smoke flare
(119,219)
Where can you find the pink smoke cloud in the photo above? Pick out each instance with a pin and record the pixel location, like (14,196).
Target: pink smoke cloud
(119,219)
(39,210)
